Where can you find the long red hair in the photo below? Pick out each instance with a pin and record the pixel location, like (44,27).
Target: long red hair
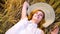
(31,15)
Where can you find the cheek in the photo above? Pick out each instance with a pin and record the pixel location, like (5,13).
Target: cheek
(34,15)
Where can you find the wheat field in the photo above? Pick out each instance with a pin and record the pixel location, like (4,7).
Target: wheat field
(10,13)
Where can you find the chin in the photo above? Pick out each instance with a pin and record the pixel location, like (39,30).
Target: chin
(36,19)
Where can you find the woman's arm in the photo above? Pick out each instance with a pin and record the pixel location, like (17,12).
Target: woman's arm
(21,24)
(55,30)
(24,10)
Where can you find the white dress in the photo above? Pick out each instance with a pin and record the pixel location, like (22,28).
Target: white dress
(24,27)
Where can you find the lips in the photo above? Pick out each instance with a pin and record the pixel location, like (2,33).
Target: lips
(37,17)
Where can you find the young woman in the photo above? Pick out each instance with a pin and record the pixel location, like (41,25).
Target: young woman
(28,24)
(27,27)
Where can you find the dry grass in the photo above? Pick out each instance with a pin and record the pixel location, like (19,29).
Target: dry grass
(10,13)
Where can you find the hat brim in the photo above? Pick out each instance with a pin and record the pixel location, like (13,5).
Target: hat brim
(47,9)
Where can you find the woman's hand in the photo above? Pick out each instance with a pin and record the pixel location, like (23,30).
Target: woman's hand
(24,10)
(55,31)
(26,5)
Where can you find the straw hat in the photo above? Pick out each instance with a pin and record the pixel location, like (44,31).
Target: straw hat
(47,9)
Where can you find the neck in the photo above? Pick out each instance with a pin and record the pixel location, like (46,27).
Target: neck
(34,21)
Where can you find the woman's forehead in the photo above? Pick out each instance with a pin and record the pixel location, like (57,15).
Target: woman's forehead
(39,12)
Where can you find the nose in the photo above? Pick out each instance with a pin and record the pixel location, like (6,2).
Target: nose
(38,16)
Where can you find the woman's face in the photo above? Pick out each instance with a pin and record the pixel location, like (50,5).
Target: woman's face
(38,16)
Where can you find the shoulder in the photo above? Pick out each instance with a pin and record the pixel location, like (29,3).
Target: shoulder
(39,31)
(24,19)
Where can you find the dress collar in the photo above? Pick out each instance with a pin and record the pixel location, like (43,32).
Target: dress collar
(34,24)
